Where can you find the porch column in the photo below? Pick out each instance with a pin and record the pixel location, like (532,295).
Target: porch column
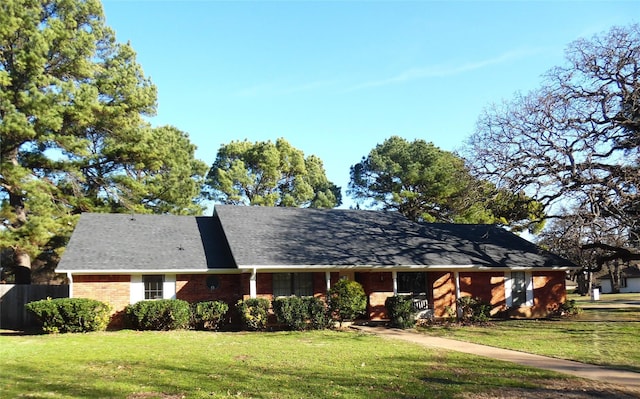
(394,277)
(456,282)
(327,277)
(253,290)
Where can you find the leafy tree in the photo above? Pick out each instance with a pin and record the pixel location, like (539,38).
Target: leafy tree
(270,174)
(574,144)
(426,183)
(72,103)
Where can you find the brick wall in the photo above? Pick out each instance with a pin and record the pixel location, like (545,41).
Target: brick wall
(111,289)
(193,288)
(444,292)
(488,287)
(549,291)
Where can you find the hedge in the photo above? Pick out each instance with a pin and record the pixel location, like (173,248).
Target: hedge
(208,315)
(62,315)
(159,315)
(253,313)
(302,313)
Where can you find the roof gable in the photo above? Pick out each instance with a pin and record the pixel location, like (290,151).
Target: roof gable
(119,242)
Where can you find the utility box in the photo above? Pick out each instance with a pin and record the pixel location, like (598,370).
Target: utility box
(595,294)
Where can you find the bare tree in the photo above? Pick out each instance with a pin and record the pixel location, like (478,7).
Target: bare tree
(575,143)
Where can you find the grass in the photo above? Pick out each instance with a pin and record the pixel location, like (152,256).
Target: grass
(190,364)
(606,333)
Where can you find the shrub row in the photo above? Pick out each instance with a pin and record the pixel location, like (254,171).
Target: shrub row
(402,313)
(64,315)
(345,301)
(175,314)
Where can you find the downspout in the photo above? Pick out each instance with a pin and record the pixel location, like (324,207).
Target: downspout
(456,282)
(70,278)
(327,277)
(253,290)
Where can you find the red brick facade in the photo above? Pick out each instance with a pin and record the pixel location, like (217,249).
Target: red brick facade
(548,290)
(193,288)
(444,293)
(111,289)
(488,287)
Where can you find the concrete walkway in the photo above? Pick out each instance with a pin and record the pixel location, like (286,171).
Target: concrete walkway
(619,377)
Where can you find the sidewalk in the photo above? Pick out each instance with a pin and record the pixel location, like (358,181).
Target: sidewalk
(618,377)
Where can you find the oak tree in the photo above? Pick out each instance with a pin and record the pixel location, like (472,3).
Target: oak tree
(574,143)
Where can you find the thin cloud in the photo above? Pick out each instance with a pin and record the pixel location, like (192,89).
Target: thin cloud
(439,71)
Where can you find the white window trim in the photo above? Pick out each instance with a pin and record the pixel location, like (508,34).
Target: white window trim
(136,291)
(169,286)
(508,287)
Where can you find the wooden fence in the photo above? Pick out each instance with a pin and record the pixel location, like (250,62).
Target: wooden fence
(13,297)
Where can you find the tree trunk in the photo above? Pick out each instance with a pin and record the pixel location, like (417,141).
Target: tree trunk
(614,276)
(583,284)
(21,259)
(22,266)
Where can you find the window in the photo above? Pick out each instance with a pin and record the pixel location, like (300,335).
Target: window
(153,287)
(412,283)
(287,284)
(518,289)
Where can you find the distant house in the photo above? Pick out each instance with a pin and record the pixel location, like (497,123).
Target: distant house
(629,280)
(247,252)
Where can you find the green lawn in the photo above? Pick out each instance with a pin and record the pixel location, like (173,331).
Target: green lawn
(606,333)
(190,364)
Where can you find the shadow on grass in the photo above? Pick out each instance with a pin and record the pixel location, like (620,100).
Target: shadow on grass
(20,333)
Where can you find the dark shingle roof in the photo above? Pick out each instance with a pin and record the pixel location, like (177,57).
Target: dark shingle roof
(118,242)
(267,236)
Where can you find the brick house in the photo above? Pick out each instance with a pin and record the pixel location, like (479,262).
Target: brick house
(246,252)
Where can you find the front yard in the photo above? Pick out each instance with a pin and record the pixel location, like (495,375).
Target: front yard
(324,364)
(321,364)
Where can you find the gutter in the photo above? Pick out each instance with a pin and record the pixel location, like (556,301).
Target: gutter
(303,268)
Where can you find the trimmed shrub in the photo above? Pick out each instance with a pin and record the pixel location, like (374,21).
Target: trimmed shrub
(473,310)
(208,315)
(301,313)
(291,311)
(158,315)
(253,313)
(347,300)
(401,311)
(62,315)
(319,316)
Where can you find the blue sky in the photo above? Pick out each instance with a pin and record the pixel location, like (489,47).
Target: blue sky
(336,78)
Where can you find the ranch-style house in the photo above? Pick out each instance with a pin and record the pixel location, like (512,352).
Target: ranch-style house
(246,252)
